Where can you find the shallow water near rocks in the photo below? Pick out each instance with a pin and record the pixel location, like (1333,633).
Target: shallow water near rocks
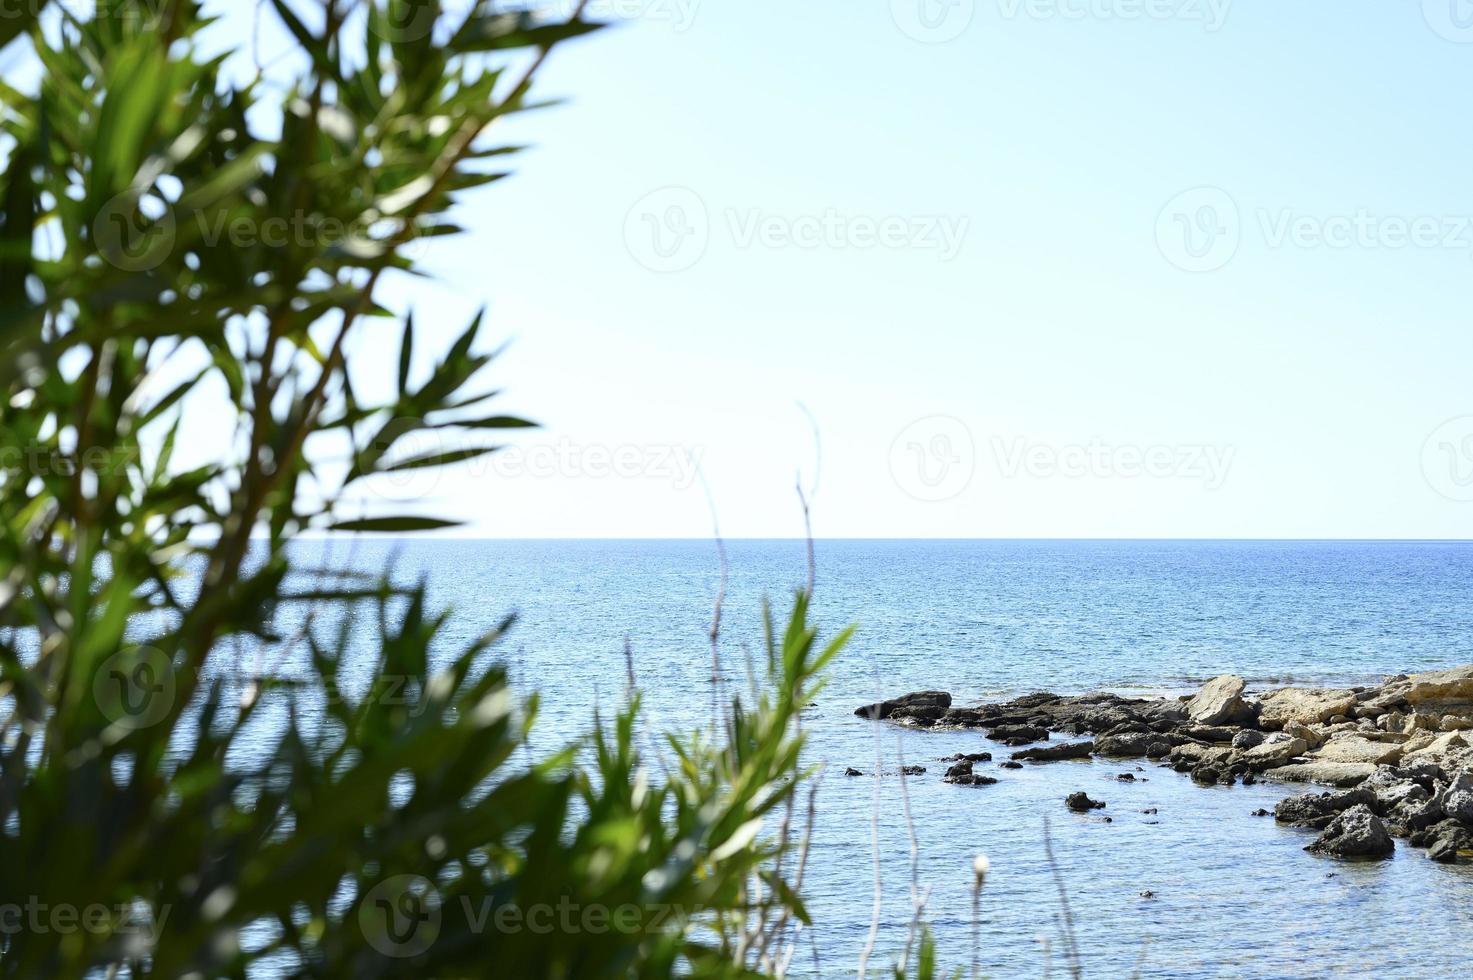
(1232,894)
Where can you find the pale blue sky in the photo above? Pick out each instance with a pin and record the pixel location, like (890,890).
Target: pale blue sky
(1095,373)
(1315,374)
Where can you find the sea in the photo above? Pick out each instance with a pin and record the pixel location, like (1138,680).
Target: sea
(1182,881)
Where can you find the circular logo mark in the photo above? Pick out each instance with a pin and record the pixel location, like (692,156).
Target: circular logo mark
(667,230)
(404,460)
(1199,230)
(933,458)
(129,239)
(400,916)
(134,688)
(1451,20)
(932,21)
(407,20)
(1447,459)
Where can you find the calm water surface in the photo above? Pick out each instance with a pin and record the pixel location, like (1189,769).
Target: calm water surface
(1232,894)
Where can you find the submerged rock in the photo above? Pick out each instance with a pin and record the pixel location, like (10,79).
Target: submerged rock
(1357,832)
(1081,803)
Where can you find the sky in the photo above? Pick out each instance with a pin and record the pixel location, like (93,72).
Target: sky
(979,268)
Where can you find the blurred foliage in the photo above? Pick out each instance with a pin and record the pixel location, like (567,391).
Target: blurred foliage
(148,827)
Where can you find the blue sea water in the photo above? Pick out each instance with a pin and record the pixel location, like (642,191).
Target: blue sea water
(1230,894)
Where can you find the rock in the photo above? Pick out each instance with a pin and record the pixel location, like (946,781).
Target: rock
(1444,851)
(1304,705)
(1392,721)
(1441,685)
(1018,734)
(1444,841)
(1329,773)
(1197,754)
(1158,750)
(1459,805)
(1011,765)
(1081,803)
(1356,748)
(1207,775)
(917,704)
(1211,733)
(851,771)
(1129,744)
(1247,739)
(1411,817)
(1455,723)
(912,770)
(1220,700)
(1418,721)
(1126,777)
(1355,833)
(1053,753)
(961,774)
(1446,750)
(1316,810)
(1150,810)
(1275,752)
(969,756)
(1313,737)
(1260,812)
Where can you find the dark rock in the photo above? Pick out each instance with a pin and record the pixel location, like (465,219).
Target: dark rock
(1018,734)
(1126,777)
(1317,810)
(1261,812)
(1411,817)
(1210,733)
(961,774)
(1126,744)
(1247,739)
(1149,810)
(1011,765)
(1053,753)
(1357,832)
(1157,750)
(1081,803)
(912,770)
(969,757)
(1207,775)
(917,704)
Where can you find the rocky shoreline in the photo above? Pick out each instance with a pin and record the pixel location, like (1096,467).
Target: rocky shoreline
(1399,754)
